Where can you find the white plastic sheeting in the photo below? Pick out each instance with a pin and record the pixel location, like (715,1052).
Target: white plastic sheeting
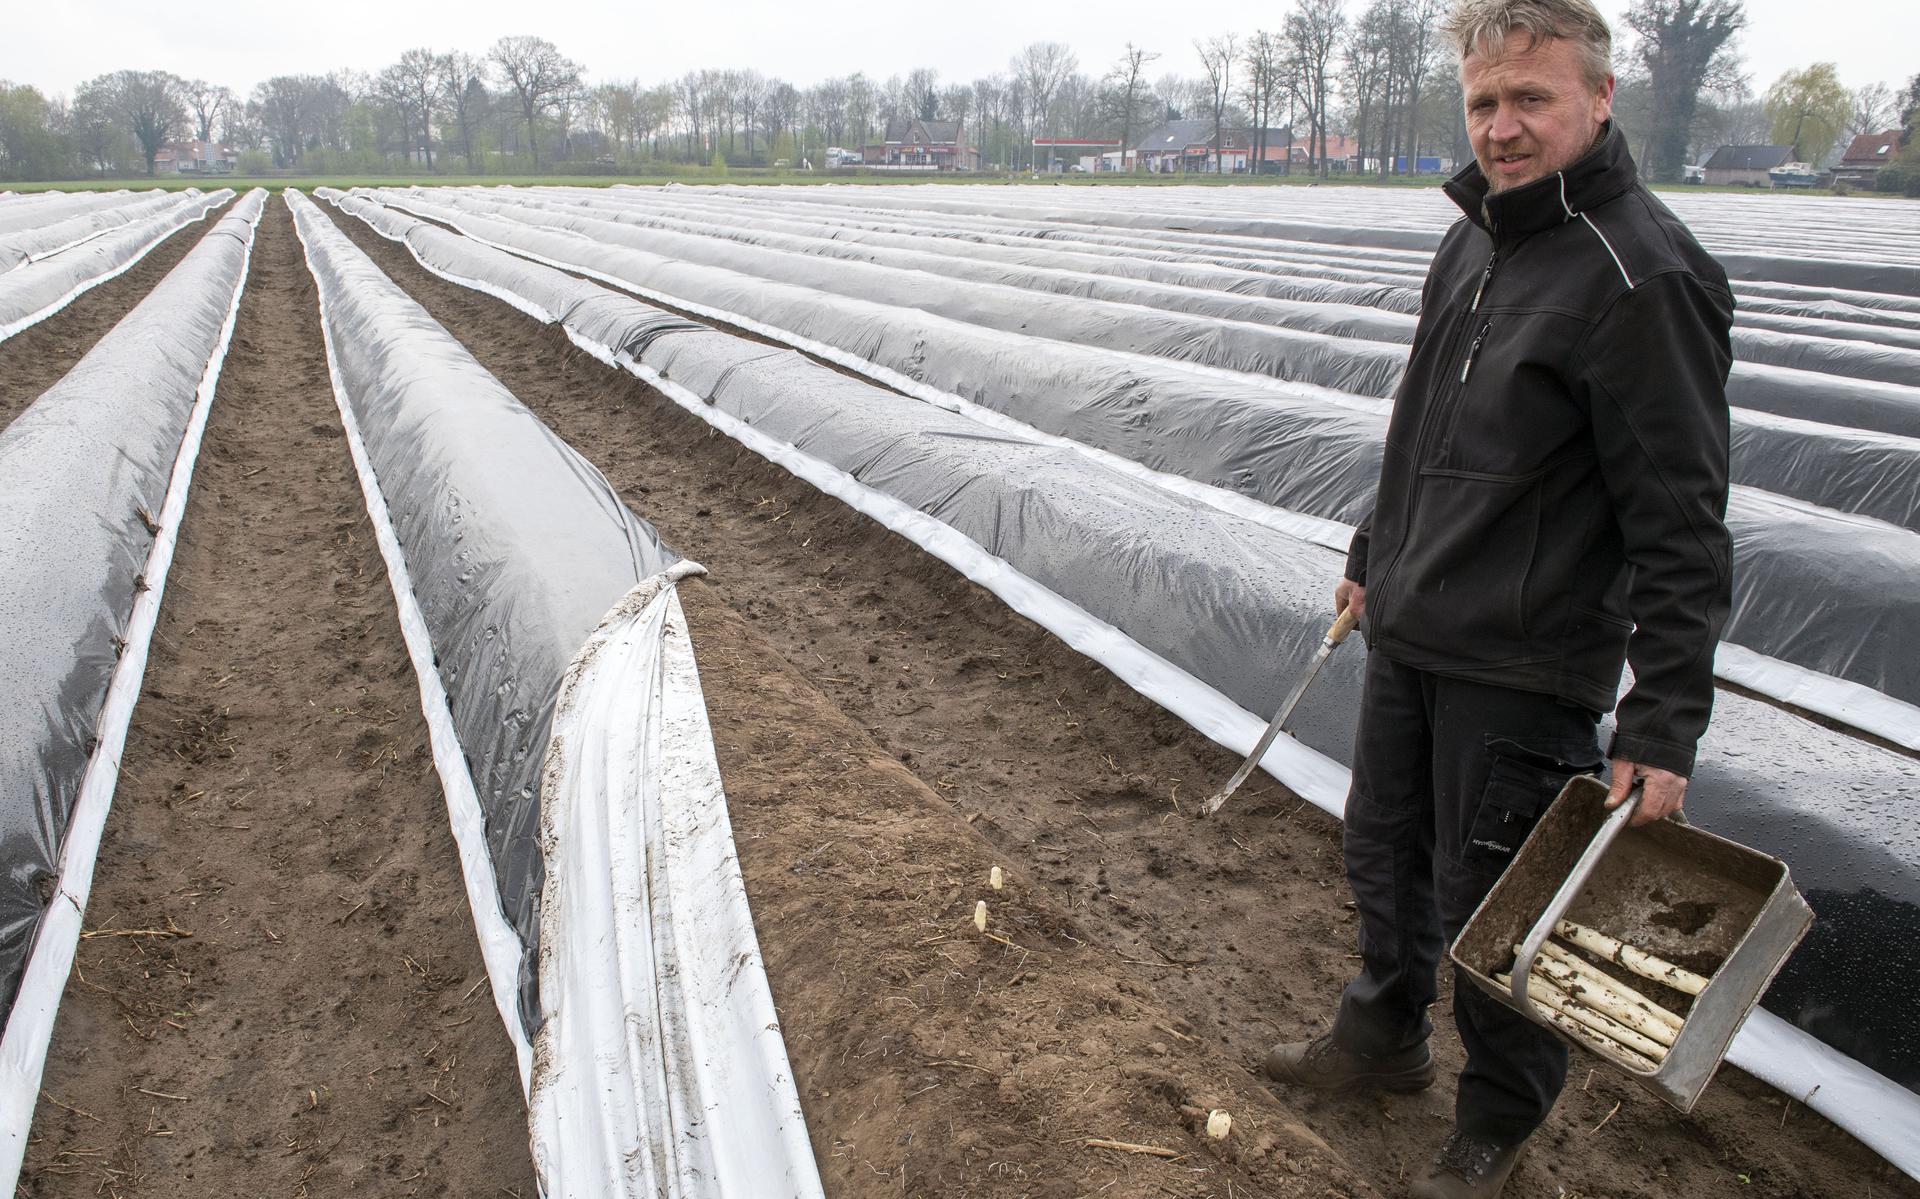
(749,400)
(214,275)
(43,241)
(656,1065)
(660,1068)
(41,288)
(18,213)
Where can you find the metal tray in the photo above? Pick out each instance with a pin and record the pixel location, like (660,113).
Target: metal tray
(1697,900)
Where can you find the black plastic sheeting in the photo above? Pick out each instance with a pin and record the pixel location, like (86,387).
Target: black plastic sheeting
(1337,350)
(1900,278)
(515,544)
(17,249)
(1240,606)
(1165,234)
(35,287)
(82,470)
(1316,279)
(1316,450)
(1197,288)
(1189,289)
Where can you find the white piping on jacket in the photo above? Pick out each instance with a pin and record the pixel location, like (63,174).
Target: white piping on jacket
(1568,208)
(1609,246)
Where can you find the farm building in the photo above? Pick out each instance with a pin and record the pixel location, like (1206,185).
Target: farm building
(1747,165)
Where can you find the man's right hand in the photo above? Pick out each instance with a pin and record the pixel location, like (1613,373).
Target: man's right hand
(1350,594)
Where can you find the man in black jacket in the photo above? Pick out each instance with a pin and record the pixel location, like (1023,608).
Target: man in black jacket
(1551,503)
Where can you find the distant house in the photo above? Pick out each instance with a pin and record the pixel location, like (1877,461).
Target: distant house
(923,145)
(1171,148)
(1188,146)
(1747,165)
(1865,156)
(196,158)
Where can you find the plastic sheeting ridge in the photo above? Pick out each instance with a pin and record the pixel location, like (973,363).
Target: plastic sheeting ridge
(641,1081)
(41,288)
(29,1026)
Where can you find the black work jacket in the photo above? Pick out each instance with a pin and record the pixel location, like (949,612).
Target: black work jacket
(1553,493)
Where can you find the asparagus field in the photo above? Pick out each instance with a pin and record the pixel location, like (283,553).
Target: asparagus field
(578,664)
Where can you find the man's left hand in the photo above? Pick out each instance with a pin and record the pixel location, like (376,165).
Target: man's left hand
(1662,792)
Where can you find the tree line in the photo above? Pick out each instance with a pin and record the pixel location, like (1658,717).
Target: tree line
(1375,85)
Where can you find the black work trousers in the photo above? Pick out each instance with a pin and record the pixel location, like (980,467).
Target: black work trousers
(1449,777)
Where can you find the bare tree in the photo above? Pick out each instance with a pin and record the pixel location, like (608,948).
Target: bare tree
(1366,76)
(1040,69)
(1217,56)
(1420,51)
(860,104)
(412,87)
(1315,29)
(1685,47)
(1874,110)
(923,93)
(460,79)
(893,103)
(241,128)
(689,98)
(827,109)
(956,101)
(1261,82)
(1128,79)
(103,140)
(780,115)
(990,107)
(209,104)
(539,76)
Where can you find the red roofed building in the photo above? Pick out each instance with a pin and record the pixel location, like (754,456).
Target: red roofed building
(1865,156)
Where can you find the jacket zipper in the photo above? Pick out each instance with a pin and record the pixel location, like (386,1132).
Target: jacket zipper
(1478,340)
(1486,277)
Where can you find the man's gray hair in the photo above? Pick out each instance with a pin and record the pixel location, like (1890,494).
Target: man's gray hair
(1482,26)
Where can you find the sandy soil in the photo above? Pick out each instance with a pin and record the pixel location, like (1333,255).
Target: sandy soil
(933,1060)
(1084,790)
(325,1028)
(36,358)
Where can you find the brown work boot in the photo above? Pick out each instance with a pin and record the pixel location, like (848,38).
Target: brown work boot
(1467,1168)
(1323,1065)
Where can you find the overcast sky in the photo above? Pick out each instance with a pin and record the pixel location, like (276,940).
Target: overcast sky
(54,44)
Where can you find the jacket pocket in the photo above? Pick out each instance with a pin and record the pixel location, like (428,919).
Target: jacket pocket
(1458,587)
(1524,778)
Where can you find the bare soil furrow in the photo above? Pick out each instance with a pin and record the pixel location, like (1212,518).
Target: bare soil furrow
(280,993)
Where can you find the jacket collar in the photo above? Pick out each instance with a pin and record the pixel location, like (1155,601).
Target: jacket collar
(1602,173)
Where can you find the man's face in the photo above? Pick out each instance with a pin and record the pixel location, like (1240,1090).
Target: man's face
(1530,110)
